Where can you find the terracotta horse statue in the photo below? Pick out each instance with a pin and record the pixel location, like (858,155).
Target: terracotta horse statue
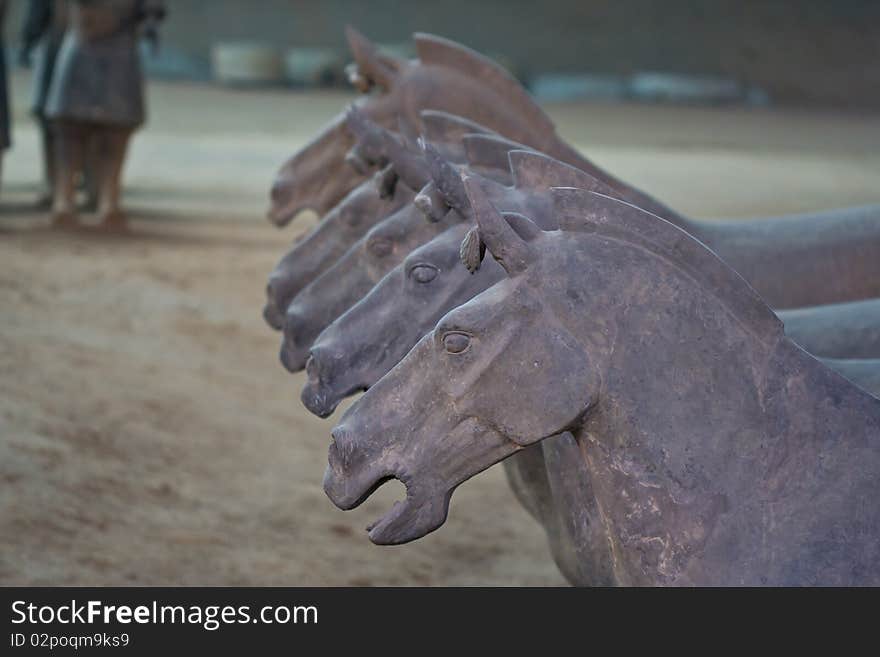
(840,330)
(448,76)
(445,77)
(351,277)
(793,261)
(328,241)
(374,334)
(692,442)
(385,245)
(370,202)
(365,342)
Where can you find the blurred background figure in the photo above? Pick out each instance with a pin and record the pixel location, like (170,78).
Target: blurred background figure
(96,98)
(4,91)
(44,25)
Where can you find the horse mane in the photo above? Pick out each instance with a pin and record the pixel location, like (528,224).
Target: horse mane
(489,151)
(586,211)
(534,170)
(440,126)
(437,51)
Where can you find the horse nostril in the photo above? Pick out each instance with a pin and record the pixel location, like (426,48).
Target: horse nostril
(277,291)
(279,189)
(272,316)
(270,311)
(312,367)
(293,326)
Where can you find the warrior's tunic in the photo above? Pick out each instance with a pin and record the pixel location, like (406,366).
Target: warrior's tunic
(98,77)
(5,139)
(45,22)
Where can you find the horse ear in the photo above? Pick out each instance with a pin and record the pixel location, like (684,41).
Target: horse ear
(431,203)
(473,248)
(410,166)
(489,151)
(532,170)
(446,183)
(386,182)
(505,244)
(437,51)
(355,161)
(360,127)
(522,225)
(372,66)
(443,128)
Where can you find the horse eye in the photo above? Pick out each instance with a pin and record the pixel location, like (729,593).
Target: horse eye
(380,247)
(423,273)
(456,342)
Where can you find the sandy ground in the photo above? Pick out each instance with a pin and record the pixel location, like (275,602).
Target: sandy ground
(148,434)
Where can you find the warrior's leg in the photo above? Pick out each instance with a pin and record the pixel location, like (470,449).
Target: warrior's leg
(113,150)
(91,172)
(47,136)
(69,141)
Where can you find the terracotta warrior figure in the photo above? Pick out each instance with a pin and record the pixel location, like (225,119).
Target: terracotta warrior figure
(5,139)
(687,441)
(97,96)
(44,25)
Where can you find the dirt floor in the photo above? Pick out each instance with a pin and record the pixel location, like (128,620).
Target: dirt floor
(148,434)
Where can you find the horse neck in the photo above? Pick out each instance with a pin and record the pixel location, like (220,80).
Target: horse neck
(750,466)
(719,452)
(564,152)
(513,121)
